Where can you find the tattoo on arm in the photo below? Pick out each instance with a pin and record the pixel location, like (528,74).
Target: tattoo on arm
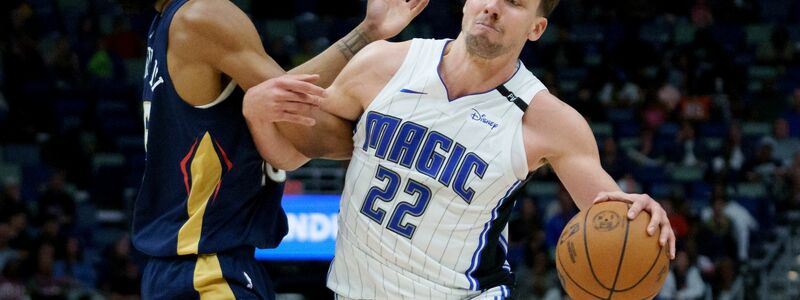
(352,43)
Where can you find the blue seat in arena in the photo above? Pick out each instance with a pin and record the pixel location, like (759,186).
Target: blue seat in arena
(664,190)
(621,114)
(22,154)
(712,129)
(33,178)
(648,175)
(627,129)
(776,11)
(699,190)
(730,36)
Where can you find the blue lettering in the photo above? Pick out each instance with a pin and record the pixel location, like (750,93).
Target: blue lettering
(452,163)
(471,161)
(430,162)
(387,194)
(407,143)
(380,130)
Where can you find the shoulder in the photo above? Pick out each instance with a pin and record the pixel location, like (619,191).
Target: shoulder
(559,124)
(546,108)
(373,66)
(211,22)
(381,57)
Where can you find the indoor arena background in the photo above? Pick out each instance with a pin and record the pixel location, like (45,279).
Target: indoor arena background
(696,102)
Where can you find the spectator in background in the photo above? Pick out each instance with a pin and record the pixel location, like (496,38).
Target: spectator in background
(57,201)
(742,222)
(558,218)
(677,218)
(779,50)
(684,281)
(64,63)
(792,179)
(646,155)
(792,115)
(11,198)
(612,160)
(688,151)
(784,146)
(6,253)
(12,285)
(628,184)
(540,281)
(728,165)
(43,284)
(715,239)
(588,106)
(762,167)
(122,276)
(74,268)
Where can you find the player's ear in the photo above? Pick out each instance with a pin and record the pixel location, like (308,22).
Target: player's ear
(537,28)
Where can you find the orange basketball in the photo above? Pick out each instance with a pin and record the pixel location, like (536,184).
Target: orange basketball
(603,255)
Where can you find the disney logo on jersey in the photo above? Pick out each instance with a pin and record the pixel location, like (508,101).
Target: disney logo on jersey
(478,116)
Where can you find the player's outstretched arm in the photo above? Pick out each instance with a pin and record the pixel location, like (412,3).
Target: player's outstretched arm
(573,154)
(324,132)
(384,19)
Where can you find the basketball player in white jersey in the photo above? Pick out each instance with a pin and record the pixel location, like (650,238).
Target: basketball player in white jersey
(445,132)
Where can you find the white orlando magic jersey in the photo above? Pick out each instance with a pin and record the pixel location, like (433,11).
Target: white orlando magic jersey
(426,199)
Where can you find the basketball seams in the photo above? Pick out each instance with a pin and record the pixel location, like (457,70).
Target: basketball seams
(621,256)
(558,258)
(620,292)
(586,249)
(655,261)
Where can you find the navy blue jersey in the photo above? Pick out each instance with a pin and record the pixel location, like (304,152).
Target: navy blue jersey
(205,189)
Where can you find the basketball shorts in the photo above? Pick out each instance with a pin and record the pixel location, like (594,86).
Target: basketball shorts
(232,274)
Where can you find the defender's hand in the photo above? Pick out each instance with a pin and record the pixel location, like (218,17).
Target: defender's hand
(288,98)
(641,202)
(386,18)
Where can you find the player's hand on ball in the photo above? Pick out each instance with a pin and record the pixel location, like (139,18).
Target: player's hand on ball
(288,98)
(386,18)
(641,202)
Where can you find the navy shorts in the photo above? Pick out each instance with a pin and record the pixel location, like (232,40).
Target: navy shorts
(228,275)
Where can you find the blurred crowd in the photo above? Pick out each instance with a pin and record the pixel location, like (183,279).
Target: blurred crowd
(695,102)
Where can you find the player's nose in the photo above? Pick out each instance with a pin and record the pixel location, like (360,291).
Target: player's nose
(493,8)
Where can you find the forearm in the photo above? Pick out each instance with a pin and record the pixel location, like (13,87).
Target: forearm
(330,138)
(274,147)
(330,62)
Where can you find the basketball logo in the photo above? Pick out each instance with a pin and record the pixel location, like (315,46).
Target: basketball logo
(606,221)
(572,231)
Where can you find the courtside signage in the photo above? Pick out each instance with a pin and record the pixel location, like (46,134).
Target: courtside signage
(312,229)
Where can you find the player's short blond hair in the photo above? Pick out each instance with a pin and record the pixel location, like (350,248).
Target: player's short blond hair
(547,6)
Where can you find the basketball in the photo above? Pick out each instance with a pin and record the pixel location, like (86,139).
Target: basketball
(603,255)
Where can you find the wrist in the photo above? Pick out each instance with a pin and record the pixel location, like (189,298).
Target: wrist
(368,30)
(355,41)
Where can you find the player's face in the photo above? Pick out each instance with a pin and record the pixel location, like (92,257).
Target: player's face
(495,27)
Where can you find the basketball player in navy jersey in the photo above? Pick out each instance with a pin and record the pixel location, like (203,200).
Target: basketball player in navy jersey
(207,198)
(445,131)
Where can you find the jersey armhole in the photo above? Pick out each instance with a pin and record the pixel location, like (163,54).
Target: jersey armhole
(408,62)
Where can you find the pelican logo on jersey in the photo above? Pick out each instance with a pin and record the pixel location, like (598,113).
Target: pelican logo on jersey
(412,145)
(202,177)
(478,116)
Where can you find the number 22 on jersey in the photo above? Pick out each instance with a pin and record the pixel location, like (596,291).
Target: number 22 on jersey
(388,194)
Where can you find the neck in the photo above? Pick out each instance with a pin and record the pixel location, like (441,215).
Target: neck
(465,73)
(161,4)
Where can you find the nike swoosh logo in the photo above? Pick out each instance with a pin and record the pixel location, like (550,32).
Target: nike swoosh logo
(407,91)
